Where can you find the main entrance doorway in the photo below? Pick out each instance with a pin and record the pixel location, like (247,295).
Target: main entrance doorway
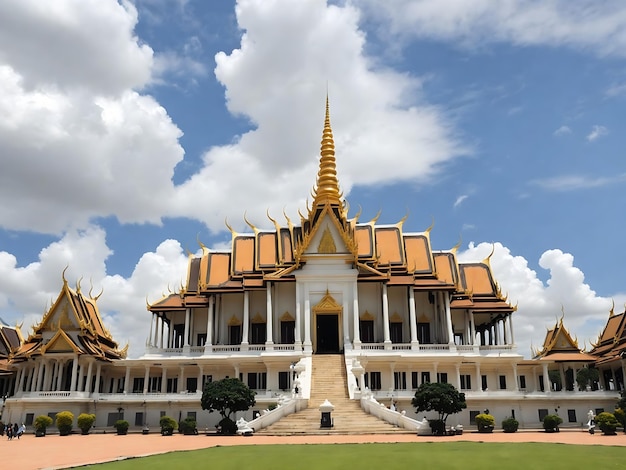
(327,333)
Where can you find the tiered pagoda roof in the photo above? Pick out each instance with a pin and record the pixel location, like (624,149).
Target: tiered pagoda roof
(72,325)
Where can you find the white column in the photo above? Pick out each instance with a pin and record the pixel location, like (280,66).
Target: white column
(270,320)
(74,373)
(151,342)
(89,375)
(127,380)
(446,302)
(97,384)
(472,327)
(181,378)
(47,376)
(163,380)
(146,380)
(208,346)
(356,320)
(387,340)
(457,378)
(19,384)
(307,318)
(510,317)
(199,380)
(42,367)
(298,334)
(479,382)
(413,319)
(345,324)
(161,321)
(246,320)
(187,322)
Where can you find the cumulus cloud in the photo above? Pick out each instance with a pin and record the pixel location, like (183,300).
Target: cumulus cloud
(541,304)
(580,25)
(76,138)
(597,132)
(79,139)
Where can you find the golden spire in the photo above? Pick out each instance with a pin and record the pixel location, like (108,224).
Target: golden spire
(327,187)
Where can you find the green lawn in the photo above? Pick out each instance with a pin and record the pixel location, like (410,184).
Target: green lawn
(425,455)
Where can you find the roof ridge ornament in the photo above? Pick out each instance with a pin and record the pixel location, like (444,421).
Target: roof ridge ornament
(327,185)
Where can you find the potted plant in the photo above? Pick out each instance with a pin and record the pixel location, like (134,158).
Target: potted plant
(437,427)
(121,426)
(168,425)
(510,425)
(607,423)
(85,422)
(64,422)
(485,422)
(41,423)
(188,426)
(551,423)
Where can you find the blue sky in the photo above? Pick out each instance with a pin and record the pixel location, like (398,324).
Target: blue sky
(128,131)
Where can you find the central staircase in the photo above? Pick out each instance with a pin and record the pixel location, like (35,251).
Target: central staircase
(329,382)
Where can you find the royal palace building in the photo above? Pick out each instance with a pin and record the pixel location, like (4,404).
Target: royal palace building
(326,311)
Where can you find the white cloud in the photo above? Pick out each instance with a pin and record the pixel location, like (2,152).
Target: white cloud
(575,182)
(541,305)
(617,89)
(460,199)
(582,25)
(77,138)
(597,132)
(561,131)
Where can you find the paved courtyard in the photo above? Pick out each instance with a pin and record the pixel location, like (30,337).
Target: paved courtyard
(56,452)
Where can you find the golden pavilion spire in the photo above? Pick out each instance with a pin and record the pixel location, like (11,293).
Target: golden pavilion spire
(327,187)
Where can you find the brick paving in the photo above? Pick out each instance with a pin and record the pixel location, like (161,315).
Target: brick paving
(56,452)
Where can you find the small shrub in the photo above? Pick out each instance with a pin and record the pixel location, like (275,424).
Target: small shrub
(64,422)
(607,423)
(41,423)
(168,425)
(437,426)
(85,422)
(188,426)
(485,422)
(510,425)
(272,406)
(121,426)
(551,423)
(227,427)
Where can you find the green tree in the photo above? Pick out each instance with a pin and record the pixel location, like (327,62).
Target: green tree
(227,396)
(440,397)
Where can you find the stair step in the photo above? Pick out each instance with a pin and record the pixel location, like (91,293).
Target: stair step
(329,382)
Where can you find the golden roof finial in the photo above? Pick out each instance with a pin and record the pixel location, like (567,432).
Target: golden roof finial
(327,186)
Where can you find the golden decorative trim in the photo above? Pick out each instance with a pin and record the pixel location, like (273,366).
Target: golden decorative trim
(395,318)
(327,244)
(287,316)
(367,316)
(327,304)
(234,321)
